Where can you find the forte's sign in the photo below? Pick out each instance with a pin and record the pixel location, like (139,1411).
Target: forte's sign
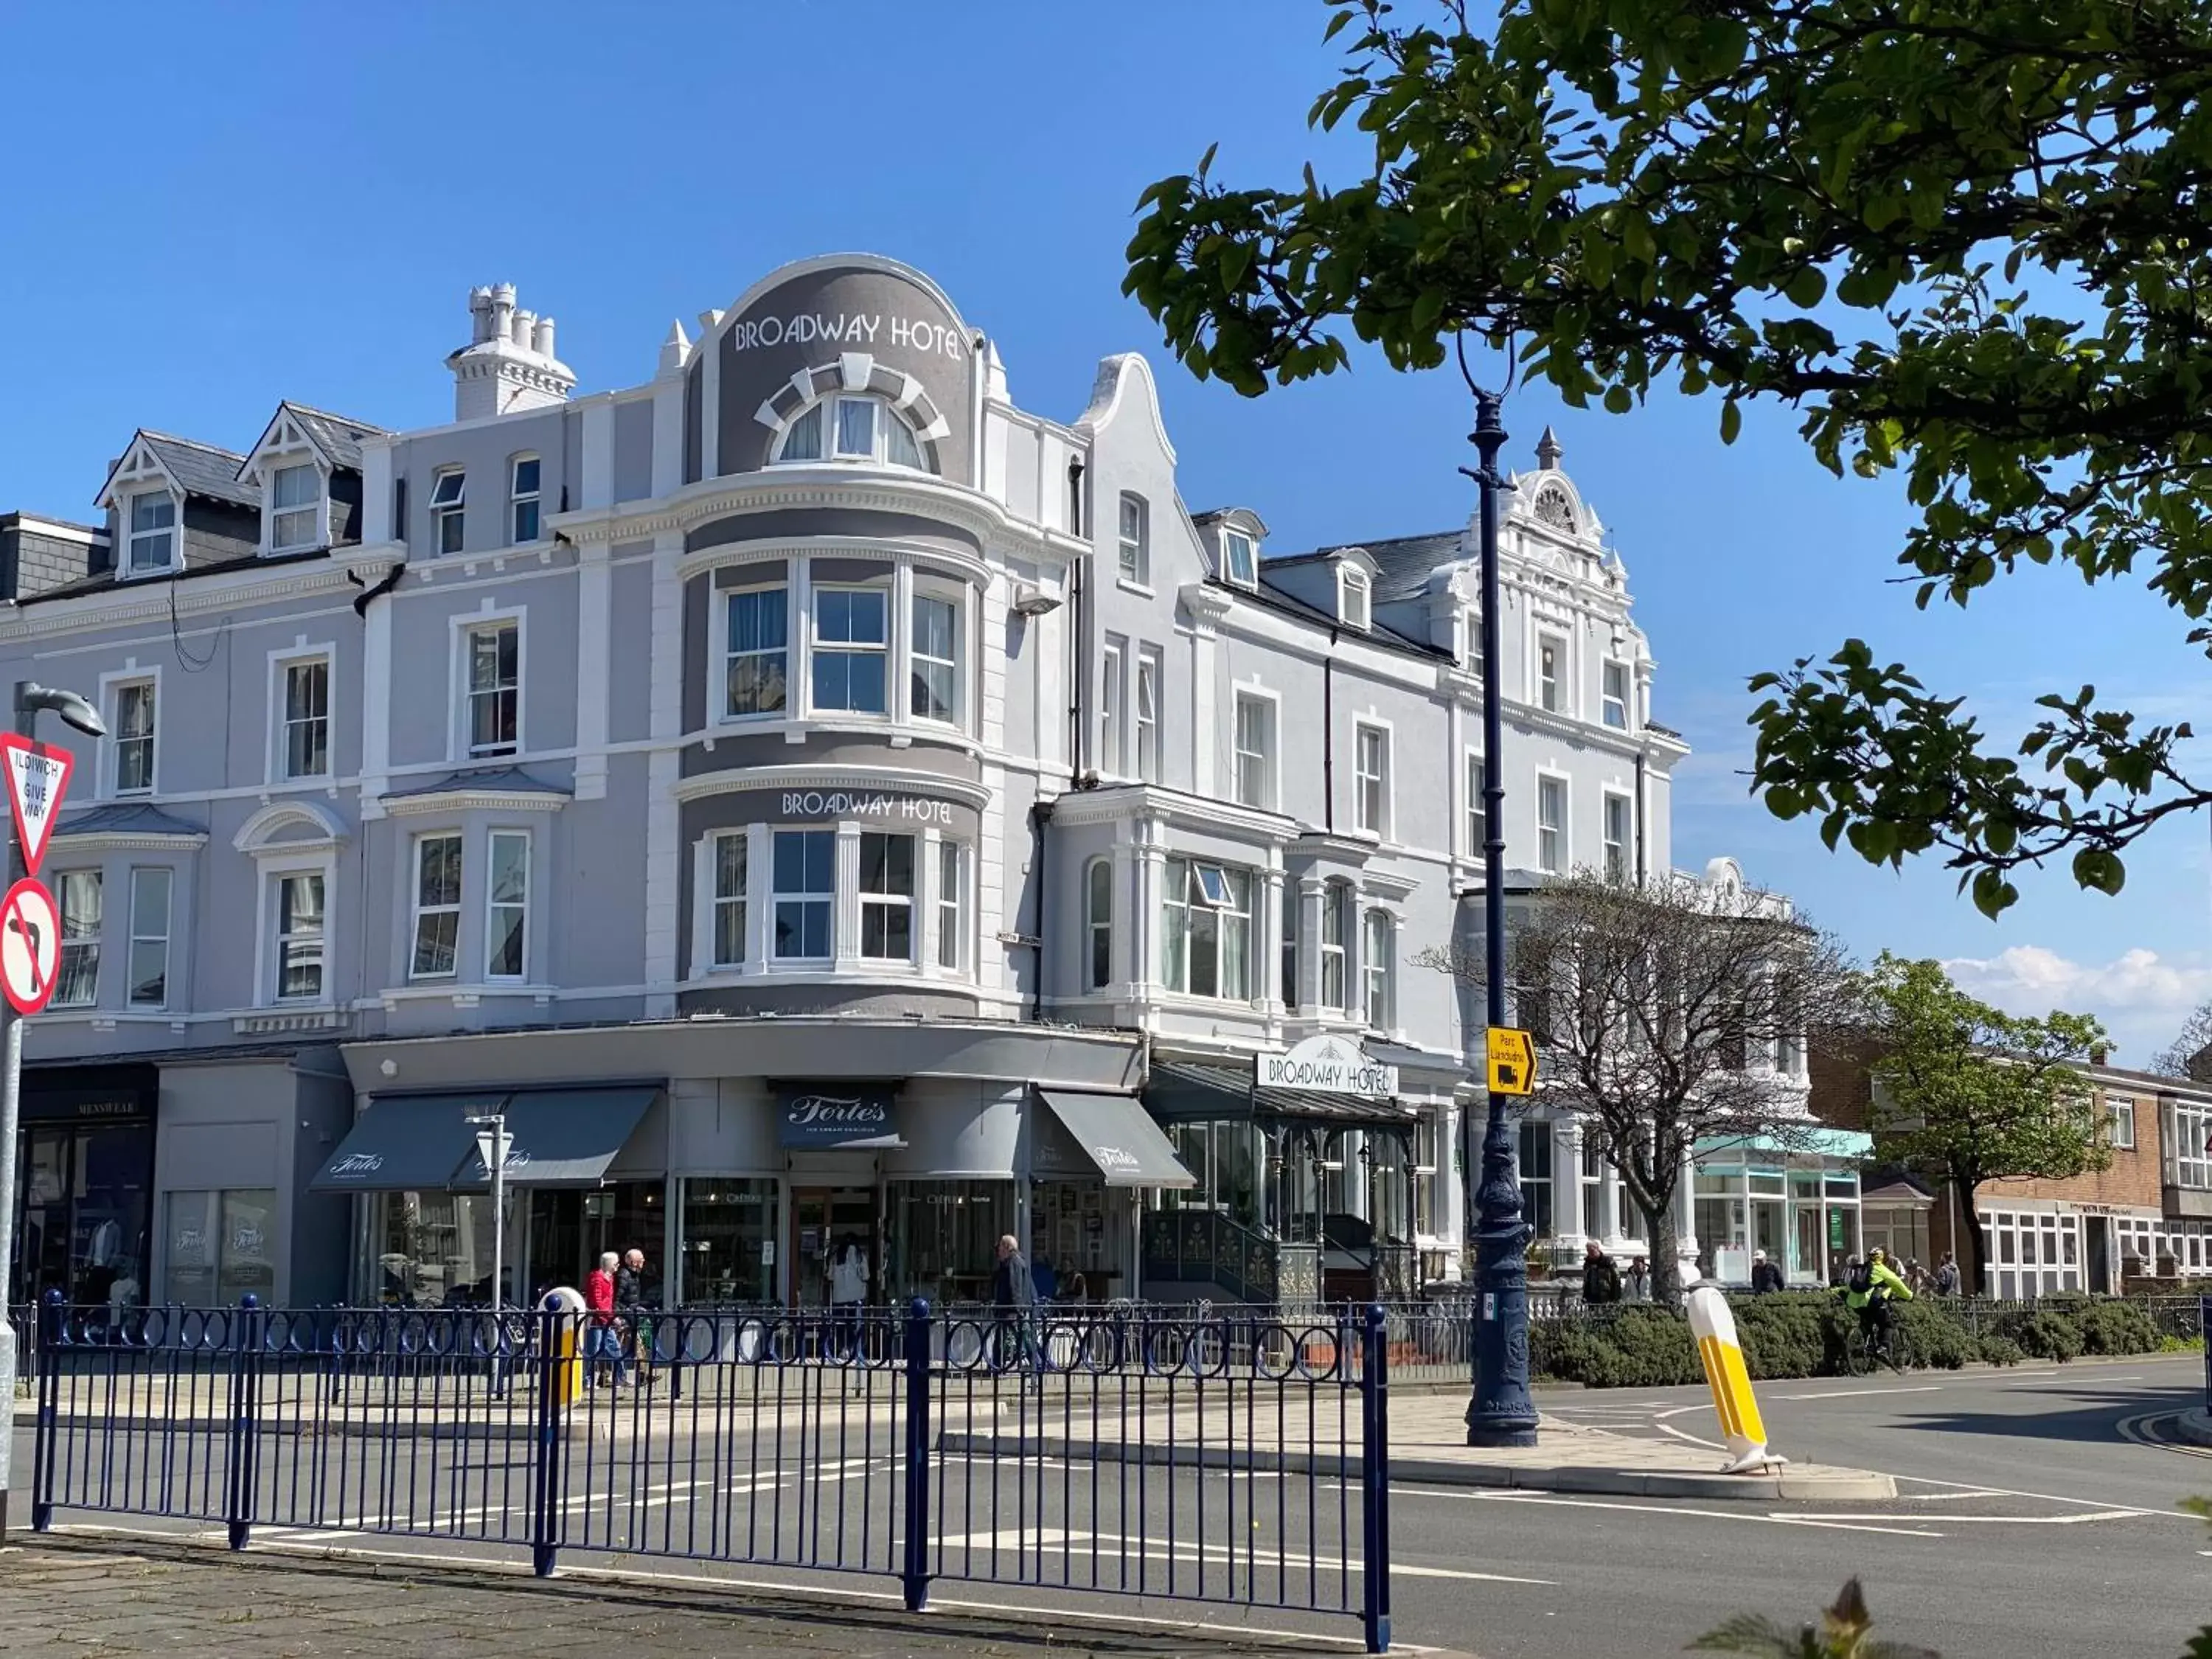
(869,329)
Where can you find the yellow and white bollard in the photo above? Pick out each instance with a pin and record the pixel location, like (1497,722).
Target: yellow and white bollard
(1714,1326)
(568,1379)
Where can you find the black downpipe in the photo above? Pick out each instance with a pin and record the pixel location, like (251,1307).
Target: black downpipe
(1079,735)
(1041,829)
(1640,871)
(1328,735)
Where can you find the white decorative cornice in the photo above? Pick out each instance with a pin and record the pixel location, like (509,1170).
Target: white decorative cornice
(254,836)
(154,600)
(872,780)
(1143,802)
(465,798)
(972,568)
(128,840)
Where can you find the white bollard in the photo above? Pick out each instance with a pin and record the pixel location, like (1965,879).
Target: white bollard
(1713,1325)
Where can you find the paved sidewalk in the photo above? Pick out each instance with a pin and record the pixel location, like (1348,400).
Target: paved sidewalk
(103,1599)
(1428,1447)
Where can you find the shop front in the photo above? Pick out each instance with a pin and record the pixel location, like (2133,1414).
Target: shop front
(84,1185)
(1798,1201)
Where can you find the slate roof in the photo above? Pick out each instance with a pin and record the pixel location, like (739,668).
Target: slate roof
(202,468)
(123,818)
(338,436)
(511,779)
(1274,598)
(100,581)
(1402,562)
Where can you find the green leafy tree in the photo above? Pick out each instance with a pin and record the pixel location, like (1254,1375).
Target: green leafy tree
(1844,1633)
(1971,1094)
(1969,241)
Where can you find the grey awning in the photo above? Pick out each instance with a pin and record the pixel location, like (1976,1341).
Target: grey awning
(405,1143)
(424,1143)
(560,1137)
(1116,1135)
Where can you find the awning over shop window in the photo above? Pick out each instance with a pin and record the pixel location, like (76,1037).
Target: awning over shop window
(557,1137)
(1114,1133)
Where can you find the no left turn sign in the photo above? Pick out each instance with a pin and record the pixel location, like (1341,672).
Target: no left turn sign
(30,946)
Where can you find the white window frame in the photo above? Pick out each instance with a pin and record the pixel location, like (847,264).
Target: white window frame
(1240,558)
(2187,1157)
(172,534)
(1355,598)
(950,865)
(951,597)
(1563,829)
(1625,846)
(736,904)
(281,666)
(82,943)
(1098,924)
(1144,707)
(1477,808)
(868,899)
(1378,969)
(778,897)
(1134,542)
(1210,886)
(1255,772)
(453,506)
(112,689)
(731,657)
(140,934)
(316,511)
(1371,817)
(1551,688)
(418,912)
(466,626)
(817,648)
(1336,908)
(493,904)
(2115,1106)
(275,877)
(518,498)
(1615,705)
(884,417)
(1113,739)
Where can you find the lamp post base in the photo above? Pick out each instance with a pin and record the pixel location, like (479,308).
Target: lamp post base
(1500,1413)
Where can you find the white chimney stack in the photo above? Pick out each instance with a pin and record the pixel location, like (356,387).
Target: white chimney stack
(508,364)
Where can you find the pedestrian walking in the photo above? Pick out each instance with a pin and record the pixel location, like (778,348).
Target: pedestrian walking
(1638,1287)
(1600,1278)
(602,1346)
(634,1317)
(1013,1294)
(849,1293)
(1947,1275)
(1766,1276)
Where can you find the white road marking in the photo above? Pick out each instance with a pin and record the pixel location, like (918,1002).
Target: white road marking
(2006,1519)
(1851,1525)
(2044,1497)
(1503,1496)
(1855,1394)
(1043,1541)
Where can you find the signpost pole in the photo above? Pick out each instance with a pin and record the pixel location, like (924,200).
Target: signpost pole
(1500,1413)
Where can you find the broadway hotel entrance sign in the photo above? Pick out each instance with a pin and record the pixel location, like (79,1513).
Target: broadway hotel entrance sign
(1327,1066)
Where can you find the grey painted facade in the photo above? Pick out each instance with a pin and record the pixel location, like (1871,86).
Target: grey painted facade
(580,693)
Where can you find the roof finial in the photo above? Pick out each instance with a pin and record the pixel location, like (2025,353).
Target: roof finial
(1548,452)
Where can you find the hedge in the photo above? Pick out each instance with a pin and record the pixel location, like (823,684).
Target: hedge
(1802,1333)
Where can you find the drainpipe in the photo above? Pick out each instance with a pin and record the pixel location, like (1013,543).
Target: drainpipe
(1328,741)
(1640,870)
(1078,657)
(1040,824)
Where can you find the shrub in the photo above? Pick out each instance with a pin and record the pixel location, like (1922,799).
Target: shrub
(1937,1338)
(2050,1334)
(1784,1335)
(2000,1351)
(2118,1327)
(1636,1348)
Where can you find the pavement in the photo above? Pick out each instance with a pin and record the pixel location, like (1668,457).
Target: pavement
(101,1598)
(1428,1446)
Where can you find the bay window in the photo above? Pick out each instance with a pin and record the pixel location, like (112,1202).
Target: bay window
(951,904)
(149,937)
(1207,930)
(1098,900)
(804,863)
(887,898)
(76,980)
(756,654)
(437,923)
(1336,935)
(935,652)
(731,856)
(507,905)
(1379,969)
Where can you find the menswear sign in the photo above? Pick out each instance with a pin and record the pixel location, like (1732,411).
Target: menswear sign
(1327,1066)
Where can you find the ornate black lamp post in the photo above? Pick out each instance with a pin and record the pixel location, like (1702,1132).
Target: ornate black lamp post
(1501,1413)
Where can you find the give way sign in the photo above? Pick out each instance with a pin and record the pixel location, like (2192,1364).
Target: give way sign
(30,946)
(38,778)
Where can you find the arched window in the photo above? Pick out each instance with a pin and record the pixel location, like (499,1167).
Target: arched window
(1099,916)
(852,428)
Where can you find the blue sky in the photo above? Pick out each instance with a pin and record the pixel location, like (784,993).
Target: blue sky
(266,201)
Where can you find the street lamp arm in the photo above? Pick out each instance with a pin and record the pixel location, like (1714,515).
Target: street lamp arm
(31,699)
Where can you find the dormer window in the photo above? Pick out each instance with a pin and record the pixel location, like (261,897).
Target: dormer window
(153,532)
(853,430)
(1353,598)
(295,499)
(1241,557)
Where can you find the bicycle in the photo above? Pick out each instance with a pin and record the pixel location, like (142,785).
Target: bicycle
(1866,1348)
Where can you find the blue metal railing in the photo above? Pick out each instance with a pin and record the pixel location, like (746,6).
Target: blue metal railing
(1133,1452)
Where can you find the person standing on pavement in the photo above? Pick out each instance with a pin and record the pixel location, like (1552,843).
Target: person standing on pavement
(603,1347)
(1600,1278)
(1766,1276)
(1947,1275)
(632,1316)
(1014,1294)
(849,1292)
(1637,1286)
